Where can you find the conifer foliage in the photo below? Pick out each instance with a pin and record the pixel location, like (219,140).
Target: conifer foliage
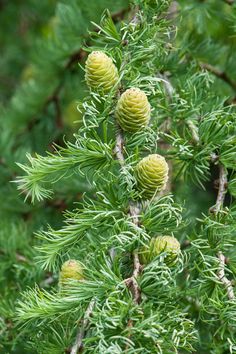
(138,271)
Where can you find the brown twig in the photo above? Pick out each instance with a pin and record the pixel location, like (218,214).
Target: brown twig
(194,131)
(220,74)
(221,191)
(222,277)
(21,258)
(133,212)
(84,324)
(216,209)
(118,150)
(166,126)
(132,283)
(135,290)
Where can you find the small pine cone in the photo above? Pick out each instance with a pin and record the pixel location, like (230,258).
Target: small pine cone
(133,110)
(160,244)
(71,269)
(100,72)
(152,175)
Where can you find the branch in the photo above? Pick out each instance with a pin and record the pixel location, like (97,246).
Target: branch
(132,281)
(222,277)
(133,208)
(81,332)
(134,212)
(133,285)
(194,131)
(215,209)
(118,150)
(166,126)
(221,191)
(220,74)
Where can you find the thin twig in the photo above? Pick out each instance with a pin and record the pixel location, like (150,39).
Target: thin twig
(216,209)
(136,292)
(166,126)
(168,85)
(221,191)
(81,332)
(194,131)
(222,277)
(132,281)
(21,258)
(220,74)
(134,212)
(118,150)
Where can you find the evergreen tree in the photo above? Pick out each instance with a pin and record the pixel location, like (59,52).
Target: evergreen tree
(145,261)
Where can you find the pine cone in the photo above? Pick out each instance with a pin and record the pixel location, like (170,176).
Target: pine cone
(160,244)
(71,269)
(100,72)
(152,175)
(133,110)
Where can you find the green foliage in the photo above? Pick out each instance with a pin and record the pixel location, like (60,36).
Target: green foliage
(181,55)
(39,73)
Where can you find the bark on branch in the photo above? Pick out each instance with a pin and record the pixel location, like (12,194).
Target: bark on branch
(81,332)
(132,281)
(221,191)
(118,150)
(134,211)
(222,277)
(216,209)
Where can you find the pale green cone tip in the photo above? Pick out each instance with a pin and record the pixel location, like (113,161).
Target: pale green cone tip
(71,270)
(100,72)
(158,245)
(133,110)
(151,175)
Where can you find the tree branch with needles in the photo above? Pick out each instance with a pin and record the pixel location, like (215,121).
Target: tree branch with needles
(215,210)
(134,212)
(130,282)
(78,344)
(220,74)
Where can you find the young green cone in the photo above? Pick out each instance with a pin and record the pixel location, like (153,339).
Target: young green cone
(100,72)
(160,244)
(71,269)
(133,110)
(151,175)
